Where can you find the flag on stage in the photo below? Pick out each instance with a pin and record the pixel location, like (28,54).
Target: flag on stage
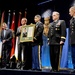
(0,49)
(8,22)
(13,40)
(19,21)
(0,16)
(2,20)
(16,47)
(25,14)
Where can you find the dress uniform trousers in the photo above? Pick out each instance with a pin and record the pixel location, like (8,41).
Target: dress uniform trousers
(72,40)
(73,55)
(55,54)
(36,57)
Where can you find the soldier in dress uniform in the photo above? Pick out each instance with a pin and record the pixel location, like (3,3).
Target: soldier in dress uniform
(37,43)
(57,36)
(72,33)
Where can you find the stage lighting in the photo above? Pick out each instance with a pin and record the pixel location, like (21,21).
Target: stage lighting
(44,2)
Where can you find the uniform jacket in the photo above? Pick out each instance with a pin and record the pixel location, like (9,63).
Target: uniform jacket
(57,32)
(38,34)
(72,31)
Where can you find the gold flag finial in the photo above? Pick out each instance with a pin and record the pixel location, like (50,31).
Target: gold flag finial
(20,13)
(9,10)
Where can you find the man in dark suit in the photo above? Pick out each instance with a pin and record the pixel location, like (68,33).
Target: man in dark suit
(72,33)
(25,46)
(57,36)
(6,38)
(37,43)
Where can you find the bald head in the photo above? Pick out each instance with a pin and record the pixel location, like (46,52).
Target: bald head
(24,21)
(4,25)
(55,15)
(72,11)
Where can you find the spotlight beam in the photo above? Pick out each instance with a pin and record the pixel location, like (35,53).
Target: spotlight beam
(44,2)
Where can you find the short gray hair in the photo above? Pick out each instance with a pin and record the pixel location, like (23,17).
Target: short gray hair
(73,8)
(4,23)
(38,16)
(57,13)
(24,19)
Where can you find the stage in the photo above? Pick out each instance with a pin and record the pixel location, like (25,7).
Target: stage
(31,72)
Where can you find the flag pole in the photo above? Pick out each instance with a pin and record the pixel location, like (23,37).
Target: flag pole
(25,12)
(16,47)
(8,22)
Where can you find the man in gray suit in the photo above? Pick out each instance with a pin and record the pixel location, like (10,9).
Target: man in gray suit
(6,38)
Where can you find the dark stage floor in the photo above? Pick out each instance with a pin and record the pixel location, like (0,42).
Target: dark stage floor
(30,72)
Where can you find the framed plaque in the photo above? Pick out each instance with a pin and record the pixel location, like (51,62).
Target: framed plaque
(27,33)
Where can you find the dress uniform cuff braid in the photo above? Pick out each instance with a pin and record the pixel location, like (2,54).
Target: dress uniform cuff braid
(62,37)
(47,38)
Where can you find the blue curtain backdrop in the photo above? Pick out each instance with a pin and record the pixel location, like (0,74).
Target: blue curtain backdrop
(64,57)
(66,60)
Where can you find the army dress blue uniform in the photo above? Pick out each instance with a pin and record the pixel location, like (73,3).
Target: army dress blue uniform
(57,33)
(36,46)
(72,40)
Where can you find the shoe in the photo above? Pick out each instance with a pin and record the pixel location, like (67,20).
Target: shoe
(73,71)
(18,66)
(32,69)
(3,67)
(38,70)
(53,70)
(8,66)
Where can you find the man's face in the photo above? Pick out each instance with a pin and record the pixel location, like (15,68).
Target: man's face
(36,19)
(4,26)
(23,22)
(71,12)
(55,16)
